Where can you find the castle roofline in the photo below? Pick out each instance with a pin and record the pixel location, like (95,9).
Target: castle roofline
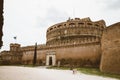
(117,24)
(78,19)
(74,21)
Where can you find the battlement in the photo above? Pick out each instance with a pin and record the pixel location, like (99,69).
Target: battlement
(77,22)
(78,19)
(14,47)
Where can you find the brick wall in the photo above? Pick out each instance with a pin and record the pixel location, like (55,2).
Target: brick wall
(110,61)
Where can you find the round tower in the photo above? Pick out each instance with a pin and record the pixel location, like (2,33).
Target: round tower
(75,31)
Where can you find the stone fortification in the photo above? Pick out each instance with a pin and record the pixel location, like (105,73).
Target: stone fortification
(110,61)
(75,31)
(75,42)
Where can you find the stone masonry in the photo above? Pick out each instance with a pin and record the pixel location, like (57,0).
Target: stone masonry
(110,61)
(75,42)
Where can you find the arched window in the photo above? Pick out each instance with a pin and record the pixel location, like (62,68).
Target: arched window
(51,28)
(81,23)
(64,24)
(89,23)
(72,24)
(65,32)
(59,26)
(96,25)
(55,27)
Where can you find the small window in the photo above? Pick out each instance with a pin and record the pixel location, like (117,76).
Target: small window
(80,23)
(96,25)
(72,24)
(89,23)
(102,26)
(59,26)
(65,31)
(55,27)
(64,24)
(51,28)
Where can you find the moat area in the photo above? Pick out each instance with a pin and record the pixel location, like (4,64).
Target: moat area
(39,73)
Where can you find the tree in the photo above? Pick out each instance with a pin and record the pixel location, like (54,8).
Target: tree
(35,55)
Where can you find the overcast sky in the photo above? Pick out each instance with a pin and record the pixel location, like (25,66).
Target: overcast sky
(29,19)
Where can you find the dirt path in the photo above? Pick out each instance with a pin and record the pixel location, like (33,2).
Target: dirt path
(27,73)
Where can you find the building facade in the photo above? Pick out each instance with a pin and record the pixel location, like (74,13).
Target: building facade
(76,42)
(14,56)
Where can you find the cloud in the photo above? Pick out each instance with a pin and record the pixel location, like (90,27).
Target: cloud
(114,4)
(29,19)
(110,4)
(52,17)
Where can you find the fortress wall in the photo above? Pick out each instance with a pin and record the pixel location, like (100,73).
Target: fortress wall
(78,52)
(41,57)
(74,40)
(27,57)
(89,55)
(89,52)
(110,61)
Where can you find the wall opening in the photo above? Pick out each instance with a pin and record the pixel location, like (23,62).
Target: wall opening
(50,61)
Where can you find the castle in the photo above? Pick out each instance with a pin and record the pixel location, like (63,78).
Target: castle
(76,42)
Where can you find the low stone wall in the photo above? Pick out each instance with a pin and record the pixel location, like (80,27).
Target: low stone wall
(110,61)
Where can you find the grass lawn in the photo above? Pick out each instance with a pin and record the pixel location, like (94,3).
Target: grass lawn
(90,71)
(96,71)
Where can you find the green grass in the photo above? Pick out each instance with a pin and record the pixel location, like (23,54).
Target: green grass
(96,71)
(63,68)
(90,71)
(28,65)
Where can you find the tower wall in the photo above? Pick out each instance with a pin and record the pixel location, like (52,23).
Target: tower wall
(110,61)
(75,31)
(15,47)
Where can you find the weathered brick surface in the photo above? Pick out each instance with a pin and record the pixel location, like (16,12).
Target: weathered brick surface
(74,42)
(110,61)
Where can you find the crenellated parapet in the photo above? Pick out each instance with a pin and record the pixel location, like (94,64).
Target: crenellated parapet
(75,31)
(27,48)
(14,47)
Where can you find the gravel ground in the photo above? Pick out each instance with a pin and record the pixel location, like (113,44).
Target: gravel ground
(27,73)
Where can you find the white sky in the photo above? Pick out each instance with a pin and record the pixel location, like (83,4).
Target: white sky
(29,19)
